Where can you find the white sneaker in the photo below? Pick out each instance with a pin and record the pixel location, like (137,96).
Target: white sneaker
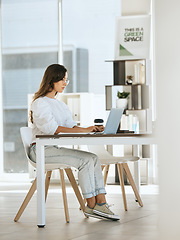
(89,213)
(104,211)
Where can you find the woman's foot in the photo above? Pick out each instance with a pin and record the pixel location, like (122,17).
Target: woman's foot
(103,210)
(89,213)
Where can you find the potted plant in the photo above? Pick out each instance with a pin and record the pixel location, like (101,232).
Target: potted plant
(122,100)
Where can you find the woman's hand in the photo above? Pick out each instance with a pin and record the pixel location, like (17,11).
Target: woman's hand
(77,129)
(101,128)
(94,129)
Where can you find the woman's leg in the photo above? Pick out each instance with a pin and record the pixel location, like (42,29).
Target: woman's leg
(90,177)
(89,174)
(98,177)
(91,202)
(100,198)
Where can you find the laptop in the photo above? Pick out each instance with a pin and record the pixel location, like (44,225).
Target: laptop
(113,121)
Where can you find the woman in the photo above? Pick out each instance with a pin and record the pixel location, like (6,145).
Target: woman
(50,116)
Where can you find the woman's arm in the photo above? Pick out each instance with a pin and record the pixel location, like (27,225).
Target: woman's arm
(76,129)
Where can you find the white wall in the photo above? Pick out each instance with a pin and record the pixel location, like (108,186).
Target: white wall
(135,7)
(168,115)
(91,24)
(1,109)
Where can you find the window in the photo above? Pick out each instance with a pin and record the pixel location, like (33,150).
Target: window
(29,45)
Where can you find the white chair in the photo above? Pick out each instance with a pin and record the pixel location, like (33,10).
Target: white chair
(106,159)
(26,135)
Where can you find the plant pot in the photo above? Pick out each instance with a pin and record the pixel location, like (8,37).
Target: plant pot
(121,103)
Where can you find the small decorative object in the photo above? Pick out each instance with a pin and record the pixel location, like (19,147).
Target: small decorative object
(129,80)
(121,102)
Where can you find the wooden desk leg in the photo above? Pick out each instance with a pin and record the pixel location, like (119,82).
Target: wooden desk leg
(40,167)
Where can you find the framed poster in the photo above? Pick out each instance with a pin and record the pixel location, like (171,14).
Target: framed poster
(132,39)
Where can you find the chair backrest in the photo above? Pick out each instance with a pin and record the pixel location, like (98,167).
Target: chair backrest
(26,136)
(100,151)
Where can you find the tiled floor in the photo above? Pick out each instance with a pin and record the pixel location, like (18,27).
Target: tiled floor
(135,224)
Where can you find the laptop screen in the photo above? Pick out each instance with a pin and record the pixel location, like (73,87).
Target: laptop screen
(113,120)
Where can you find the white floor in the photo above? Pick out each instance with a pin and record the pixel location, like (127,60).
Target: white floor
(135,224)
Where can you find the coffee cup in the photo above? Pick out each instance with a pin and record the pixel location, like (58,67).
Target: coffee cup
(98,122)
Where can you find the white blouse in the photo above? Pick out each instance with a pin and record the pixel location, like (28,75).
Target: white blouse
(48,114)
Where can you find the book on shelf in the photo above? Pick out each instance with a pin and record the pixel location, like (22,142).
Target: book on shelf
(139,73)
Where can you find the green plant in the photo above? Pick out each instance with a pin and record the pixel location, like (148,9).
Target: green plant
(122,94)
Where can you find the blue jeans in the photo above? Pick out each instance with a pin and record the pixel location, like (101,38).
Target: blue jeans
(89,175)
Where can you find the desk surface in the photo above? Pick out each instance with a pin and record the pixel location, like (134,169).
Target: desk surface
(95,135)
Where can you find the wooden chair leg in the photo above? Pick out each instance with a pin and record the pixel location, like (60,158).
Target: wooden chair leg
(106,170)
(75,188)
(47,181)
(26,200)
(120,171)
(132,183)
(30,194)
(102,167)
(84,200)
(64,195)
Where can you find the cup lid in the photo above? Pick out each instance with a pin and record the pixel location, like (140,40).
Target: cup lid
(98,120)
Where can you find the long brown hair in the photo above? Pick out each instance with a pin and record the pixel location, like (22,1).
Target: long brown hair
(54,73)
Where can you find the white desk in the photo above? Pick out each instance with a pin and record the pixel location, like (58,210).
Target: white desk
(81,139)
